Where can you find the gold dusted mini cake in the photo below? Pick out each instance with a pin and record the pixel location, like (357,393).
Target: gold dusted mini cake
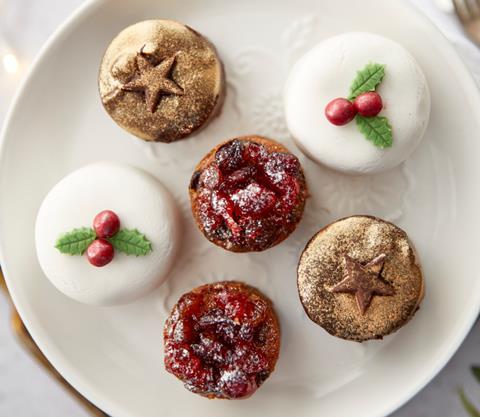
(360,278)
(161,80)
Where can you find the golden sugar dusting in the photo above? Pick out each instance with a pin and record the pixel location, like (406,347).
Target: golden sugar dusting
(161,80)
(322,267)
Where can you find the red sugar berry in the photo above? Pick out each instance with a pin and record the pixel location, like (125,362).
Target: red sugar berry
(340,111)
(368,104)
(106,223)
(100,252)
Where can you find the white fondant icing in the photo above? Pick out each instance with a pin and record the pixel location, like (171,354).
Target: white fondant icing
(326,72)
(140,201)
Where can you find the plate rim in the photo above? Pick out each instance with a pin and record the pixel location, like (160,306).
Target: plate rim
(57,358)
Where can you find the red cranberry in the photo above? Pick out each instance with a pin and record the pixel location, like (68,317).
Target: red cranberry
(236,306)
(278,161)
(254,200)
(368,104)
(240,309)
(106,223)
(229,156)
(291,190)
(340,111)
(258,230)
(249,360)
(239,178)
(211,350)
(223,206)
(255,153)
(180,360)
(100,252)
(237,384)
(209,218)
(210,177)
(279,167)
(191,304)
(183,331)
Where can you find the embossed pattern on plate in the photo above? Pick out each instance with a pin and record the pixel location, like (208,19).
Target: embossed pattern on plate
(114,355)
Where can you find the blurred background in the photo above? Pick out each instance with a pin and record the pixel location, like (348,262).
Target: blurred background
(27,388)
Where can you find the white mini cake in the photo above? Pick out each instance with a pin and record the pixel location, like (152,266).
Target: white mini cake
(140,201)
(326,72)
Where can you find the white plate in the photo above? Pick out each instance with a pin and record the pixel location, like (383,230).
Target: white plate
(114,355)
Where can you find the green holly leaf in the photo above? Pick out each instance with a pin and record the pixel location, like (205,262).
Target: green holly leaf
(367,79)
(476,372)
(376,129)
(76,241)
(131,242)
(467,405)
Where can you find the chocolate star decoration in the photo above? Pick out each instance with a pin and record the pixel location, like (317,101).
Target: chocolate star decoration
(153,80)
(364,281)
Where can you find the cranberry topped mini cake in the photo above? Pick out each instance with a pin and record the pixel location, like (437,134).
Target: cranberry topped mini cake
(222,340)
(161,80)
(360,278)
(248,194)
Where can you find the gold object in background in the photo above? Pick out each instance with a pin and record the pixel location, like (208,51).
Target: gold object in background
(22,335)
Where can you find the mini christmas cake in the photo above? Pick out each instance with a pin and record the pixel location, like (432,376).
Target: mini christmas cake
(360,278)
(222,340)
(358,103)
(161,80)
(107,234)
(248,194)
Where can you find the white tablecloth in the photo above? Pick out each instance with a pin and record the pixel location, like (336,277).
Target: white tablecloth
(26,390)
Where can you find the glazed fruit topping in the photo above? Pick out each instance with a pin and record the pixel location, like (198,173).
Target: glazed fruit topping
(100,252)
(246,195)
(340,111)
(106,223)
(213,343)
(368,104)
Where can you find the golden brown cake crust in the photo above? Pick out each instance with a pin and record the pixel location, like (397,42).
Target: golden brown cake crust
(195,83)
(271,146)
(322,267)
